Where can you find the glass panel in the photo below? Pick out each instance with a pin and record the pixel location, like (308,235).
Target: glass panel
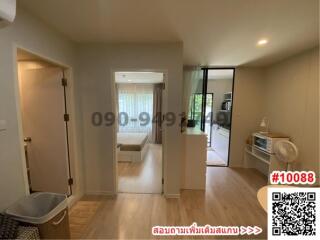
(197,109)
(220,84)
(193,84)
(195,113)
(208,123)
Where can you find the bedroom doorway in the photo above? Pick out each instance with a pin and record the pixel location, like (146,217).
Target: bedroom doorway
(139,147)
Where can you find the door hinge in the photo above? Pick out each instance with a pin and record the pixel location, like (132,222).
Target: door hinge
(162,181)
(70,181)
(64,82)
(66,117)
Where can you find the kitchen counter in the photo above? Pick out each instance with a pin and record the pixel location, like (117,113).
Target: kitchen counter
(194,161)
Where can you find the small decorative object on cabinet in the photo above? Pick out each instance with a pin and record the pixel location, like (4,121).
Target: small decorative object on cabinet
(264,125)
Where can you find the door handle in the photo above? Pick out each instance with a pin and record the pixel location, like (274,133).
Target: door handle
(27,139)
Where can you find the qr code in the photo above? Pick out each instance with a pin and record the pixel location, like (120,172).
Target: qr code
(293,212)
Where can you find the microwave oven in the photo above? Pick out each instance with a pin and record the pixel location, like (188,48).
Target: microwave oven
(266,141)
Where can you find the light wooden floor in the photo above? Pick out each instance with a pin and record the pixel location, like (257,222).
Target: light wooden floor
(229,199)
(144,176)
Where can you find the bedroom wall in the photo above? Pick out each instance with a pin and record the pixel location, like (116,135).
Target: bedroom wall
(292,106)
(96,62)
(27,32)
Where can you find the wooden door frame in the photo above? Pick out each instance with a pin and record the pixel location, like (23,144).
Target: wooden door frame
(74,150)
(114,126)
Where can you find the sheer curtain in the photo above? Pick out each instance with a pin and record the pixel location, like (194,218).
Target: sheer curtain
(192,83)
(135,107)
(157,113)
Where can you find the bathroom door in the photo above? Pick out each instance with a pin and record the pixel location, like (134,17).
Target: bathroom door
(44,129)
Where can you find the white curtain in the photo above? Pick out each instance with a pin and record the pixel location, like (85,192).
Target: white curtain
(192,83)
(135,107)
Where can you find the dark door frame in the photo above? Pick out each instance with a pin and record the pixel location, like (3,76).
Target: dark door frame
(64,83)
(204,100)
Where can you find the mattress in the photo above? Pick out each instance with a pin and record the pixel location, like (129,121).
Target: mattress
(131,141)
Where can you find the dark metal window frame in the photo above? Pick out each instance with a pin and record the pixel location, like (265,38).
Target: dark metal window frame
(204,101)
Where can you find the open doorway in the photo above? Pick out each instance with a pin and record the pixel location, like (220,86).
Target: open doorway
(139,97)
(43,101)
(218,114)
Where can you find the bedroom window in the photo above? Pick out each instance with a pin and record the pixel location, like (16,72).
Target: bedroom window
(135,107)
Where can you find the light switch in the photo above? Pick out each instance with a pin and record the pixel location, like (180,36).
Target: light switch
(3,125)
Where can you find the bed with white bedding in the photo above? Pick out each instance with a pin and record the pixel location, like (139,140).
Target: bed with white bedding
(131,146)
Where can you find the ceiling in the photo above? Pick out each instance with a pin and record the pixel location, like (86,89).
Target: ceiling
(220,74)
(139,77)
(213,32)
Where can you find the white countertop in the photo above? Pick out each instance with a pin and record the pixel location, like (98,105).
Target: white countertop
(194,131)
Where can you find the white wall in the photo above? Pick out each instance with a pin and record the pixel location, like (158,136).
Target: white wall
(29,33)
(292,106)
(287,93)
(248,107)
(96,62)
(218,87)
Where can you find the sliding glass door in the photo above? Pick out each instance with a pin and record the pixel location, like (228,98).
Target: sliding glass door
(216,113)
(209,102)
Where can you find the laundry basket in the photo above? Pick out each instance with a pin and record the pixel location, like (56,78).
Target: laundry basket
(47,211)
